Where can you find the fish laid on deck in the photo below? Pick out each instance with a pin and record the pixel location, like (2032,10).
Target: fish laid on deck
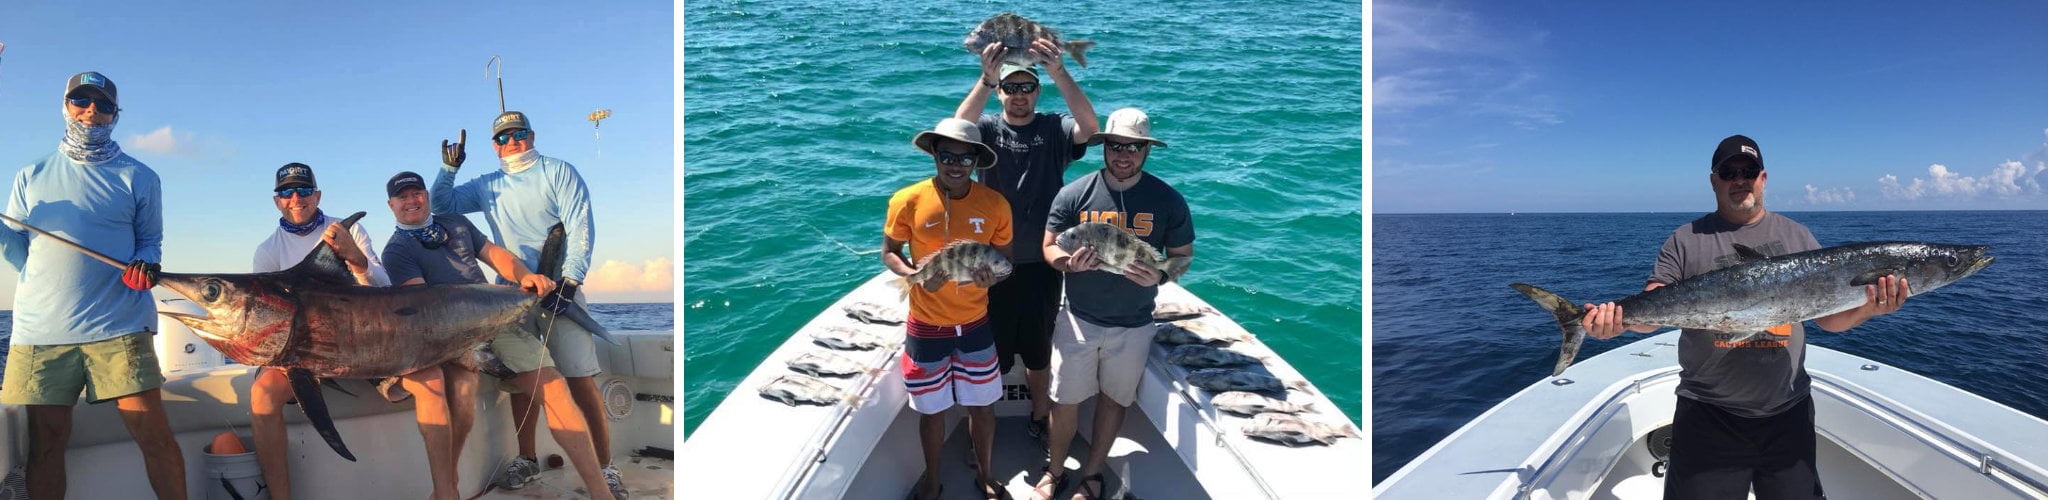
(825,364)
(1193,332)
(796,390)
(1252,404)
(1179,311)
(1016,33)
(1295,431)
(1226,379)
(1762,292)
(847,338)
(873,313)
(1202,356)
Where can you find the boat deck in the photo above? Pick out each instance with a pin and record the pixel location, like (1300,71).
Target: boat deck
(646,478)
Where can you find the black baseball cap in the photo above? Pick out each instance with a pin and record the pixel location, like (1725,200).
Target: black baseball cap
(509,120)
(1737,145)
(95,81)
(401,182)
(295,175)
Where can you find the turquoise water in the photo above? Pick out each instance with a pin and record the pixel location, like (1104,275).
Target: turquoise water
(798,118)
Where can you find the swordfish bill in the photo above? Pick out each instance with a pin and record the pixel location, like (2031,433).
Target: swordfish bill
(315,322)
(1761,292)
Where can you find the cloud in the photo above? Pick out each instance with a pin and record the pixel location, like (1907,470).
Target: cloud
(165,141)
(1440,59)
(616,277)
(2007,180)
(1830,195)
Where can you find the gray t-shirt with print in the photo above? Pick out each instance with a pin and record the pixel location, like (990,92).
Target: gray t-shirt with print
(454,262)
(1758,378)
(1031,165)
(1150,209)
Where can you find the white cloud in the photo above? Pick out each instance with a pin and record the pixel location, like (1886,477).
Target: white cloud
(622,278)
(166,141)
(2007,180)
(1831,195)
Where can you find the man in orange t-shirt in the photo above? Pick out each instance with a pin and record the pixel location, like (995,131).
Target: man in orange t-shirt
(949,354)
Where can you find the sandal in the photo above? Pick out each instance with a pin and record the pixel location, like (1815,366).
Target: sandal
(1038,429)
(1100,486)
(993,490)
(1059,482)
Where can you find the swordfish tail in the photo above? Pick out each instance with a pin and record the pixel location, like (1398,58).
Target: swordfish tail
(1568,316)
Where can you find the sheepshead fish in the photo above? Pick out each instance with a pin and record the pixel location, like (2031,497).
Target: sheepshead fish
(1176,311)
(796,390)
(957,262)
(1761,292)
(846,338)
(1115,248)
(1192,332)
(1252,403)
(1016,33)
(1226,379)
(1295,431)
(825,364)
(873,313)
(1202,356)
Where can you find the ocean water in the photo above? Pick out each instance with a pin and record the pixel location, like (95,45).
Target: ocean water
(1451,339)
(798,124)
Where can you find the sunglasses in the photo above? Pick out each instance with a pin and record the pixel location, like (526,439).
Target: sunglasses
(105,106)
(301,192)
(508,137)
(1125,147)
(1729,174)
(963,159)
(1020,88)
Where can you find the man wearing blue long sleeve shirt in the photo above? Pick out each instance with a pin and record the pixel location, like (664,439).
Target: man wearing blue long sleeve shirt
(78,325)
(526,197)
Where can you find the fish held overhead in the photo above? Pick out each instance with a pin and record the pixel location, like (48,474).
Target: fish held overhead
(1761,292)
(1016,33)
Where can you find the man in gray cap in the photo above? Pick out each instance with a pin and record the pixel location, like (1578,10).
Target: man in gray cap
(79,325)
(1101,342)
(949,353)
(525,198)
(1033,151)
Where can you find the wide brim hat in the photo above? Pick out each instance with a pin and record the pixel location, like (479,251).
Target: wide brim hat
(1129,124)
(959,130)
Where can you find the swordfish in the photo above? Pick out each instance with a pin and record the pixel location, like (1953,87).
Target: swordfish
(1761,292)
(313,321)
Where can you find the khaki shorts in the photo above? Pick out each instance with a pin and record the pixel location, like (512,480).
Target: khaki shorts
(1088,358)
(55,374)
(520,352)
(574,348)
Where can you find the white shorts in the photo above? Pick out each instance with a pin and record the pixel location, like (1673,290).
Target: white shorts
(1088,358)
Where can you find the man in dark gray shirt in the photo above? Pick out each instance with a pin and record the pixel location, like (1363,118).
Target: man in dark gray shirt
(1032,153)
(1745,414)
(1101,343)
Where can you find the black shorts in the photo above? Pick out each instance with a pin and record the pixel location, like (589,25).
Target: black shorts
(1718,455)
(1021,308)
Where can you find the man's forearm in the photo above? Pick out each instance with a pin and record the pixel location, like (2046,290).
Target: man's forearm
(977,98)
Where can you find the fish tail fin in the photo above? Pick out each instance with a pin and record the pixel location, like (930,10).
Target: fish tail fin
(542,317)
(1078,48)
(1300,385)
(1568,316)
(1308,406)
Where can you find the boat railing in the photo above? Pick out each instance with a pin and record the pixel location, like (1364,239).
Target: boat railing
(1988,460)
(799,474)
(1180,388)
(1569,447)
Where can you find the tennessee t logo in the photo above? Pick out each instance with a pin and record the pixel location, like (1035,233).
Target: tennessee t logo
(977,222)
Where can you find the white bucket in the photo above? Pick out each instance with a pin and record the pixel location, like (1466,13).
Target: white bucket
(233,477)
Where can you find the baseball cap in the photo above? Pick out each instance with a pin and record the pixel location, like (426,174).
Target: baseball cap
(399,183)
(1737,145)
(295,175)
(95,81)
(509,120)
(1013,66)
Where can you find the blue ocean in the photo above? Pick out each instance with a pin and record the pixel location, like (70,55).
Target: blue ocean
(1450,339)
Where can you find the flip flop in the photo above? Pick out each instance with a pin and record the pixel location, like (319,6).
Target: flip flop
(999,493)
(1097,478)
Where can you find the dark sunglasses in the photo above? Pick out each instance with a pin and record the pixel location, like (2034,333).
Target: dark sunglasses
(963,159)
(1728,174)
(508,137)
(105,106)
(301,192)
(1125,147)
(1020,88)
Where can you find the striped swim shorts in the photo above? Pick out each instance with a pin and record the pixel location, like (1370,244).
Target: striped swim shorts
(947,365)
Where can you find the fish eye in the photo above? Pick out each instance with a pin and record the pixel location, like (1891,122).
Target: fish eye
(211,292)
(1951,261)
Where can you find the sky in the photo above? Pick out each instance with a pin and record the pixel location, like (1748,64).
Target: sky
(1551,106)
(217,95)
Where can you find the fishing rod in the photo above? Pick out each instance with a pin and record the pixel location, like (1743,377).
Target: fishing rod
(73,244)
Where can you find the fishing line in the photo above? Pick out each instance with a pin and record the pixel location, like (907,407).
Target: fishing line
(835,241)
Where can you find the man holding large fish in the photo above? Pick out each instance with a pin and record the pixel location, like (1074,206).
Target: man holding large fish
(1101,343)
(949,355)
(428,249)
(1744,419)
(1036,149)
(301,227)
(79,326)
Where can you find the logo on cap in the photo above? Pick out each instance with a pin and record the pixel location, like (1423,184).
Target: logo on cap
(92,79)
(1751,150)
(294,171)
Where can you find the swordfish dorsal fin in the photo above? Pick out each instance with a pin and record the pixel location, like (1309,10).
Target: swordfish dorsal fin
(1747,255)
(324,265)
(552,253)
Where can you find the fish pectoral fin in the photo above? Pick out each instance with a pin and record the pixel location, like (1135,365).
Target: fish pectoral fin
(1870,277)
(306,388)
(1747,254)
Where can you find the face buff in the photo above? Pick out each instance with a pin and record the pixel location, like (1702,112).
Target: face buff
(519,162)
(430,235)
(89,144)
(302,230)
